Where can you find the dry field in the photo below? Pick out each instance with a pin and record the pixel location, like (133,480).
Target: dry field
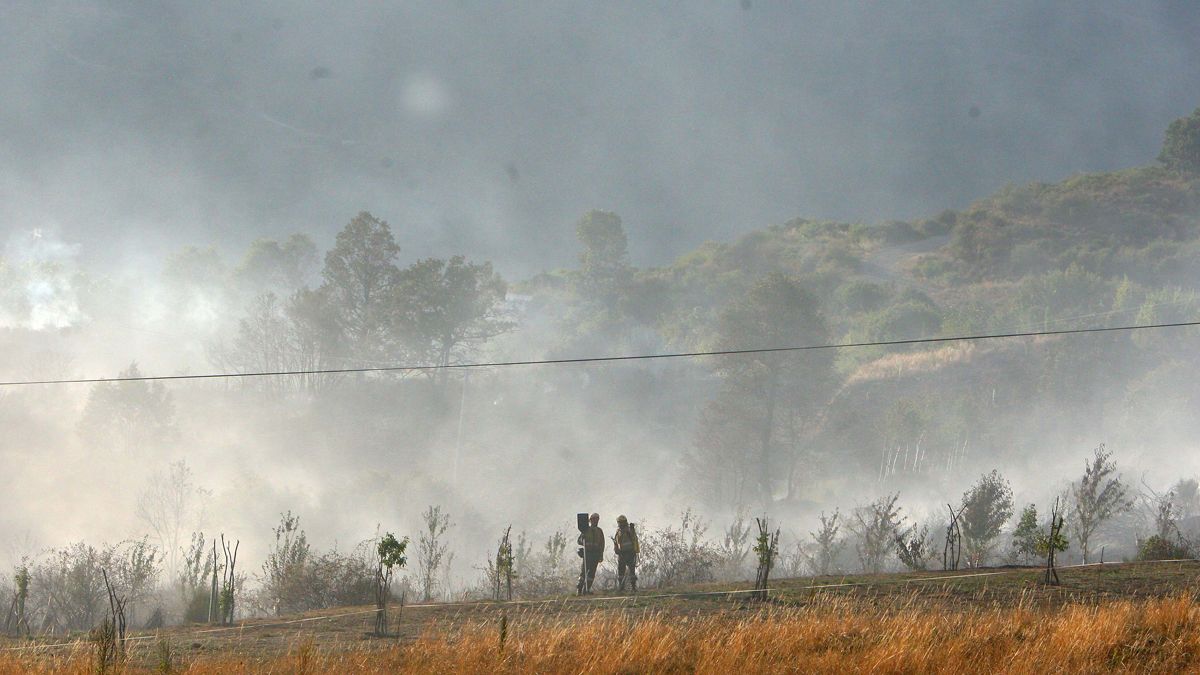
(1114,618)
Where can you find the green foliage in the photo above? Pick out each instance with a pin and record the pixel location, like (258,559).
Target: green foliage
(360,276)
(1181,147)
(1156,547)
(283,580)
(391,551)
(603,259)
(1026,534)
(860,295)
(1043,543)
(1096,497)
(986,508)
(447,307)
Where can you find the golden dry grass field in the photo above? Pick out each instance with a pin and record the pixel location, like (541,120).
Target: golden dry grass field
(1111,618)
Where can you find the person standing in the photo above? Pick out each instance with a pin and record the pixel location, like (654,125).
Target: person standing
(625,544)
(591,540)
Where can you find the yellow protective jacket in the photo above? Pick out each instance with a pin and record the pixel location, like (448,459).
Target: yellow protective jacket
(625,541)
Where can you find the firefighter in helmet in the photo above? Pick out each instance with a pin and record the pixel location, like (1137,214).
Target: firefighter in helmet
(625,543)
(591,542)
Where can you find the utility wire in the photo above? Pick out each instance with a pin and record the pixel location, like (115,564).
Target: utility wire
(608,359)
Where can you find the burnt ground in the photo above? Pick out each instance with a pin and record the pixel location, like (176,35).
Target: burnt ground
(350,628)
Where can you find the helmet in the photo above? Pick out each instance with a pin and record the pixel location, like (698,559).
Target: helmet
(622,520)
(595,517)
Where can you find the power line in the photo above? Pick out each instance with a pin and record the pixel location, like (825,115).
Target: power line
(607,359)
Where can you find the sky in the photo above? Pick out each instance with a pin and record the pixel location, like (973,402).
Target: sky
(130,129)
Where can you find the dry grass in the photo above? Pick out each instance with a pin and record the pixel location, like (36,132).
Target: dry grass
(834,635)
(911,363)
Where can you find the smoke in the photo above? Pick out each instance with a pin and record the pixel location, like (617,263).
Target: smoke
(39,279)
(488,132)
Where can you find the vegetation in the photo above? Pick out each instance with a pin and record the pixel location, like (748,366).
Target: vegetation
(1095,498)
(1181,148)
(828,635)
(986,508)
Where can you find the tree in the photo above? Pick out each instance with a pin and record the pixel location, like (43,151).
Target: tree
(913,547)
(986,507)
(170,505)
(779,394)
(720,462)
(1187,497)
(315,336)
(1025,536)
(431,549)
(828,545)
(360,277)
(192,578)
(262,344)
(134,416)
(391,555)
(1096,497)
(1181,147)
(280,267)
(1052,542)
(876,525)
(301,334)
(604,271)
(283,570)
(447,306)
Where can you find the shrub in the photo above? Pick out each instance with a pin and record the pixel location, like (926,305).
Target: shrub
(1163,548)
(672,556)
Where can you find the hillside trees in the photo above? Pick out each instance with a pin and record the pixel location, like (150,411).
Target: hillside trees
(604,271)
(774,397)
(1181,146)
(367,311)
(360,277)
(447,306)
(130,416)
(279,267)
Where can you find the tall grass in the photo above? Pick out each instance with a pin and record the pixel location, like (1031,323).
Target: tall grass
(835,635)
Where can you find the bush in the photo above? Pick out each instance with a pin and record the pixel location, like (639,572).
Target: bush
(673,556)
(1162,548)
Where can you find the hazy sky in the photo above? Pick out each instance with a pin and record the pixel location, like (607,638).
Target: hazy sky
(488,129)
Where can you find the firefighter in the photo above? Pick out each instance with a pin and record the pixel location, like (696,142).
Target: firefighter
(625,544)
(591,541)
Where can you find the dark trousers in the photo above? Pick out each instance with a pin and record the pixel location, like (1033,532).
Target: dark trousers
(591,560)
(627,568)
